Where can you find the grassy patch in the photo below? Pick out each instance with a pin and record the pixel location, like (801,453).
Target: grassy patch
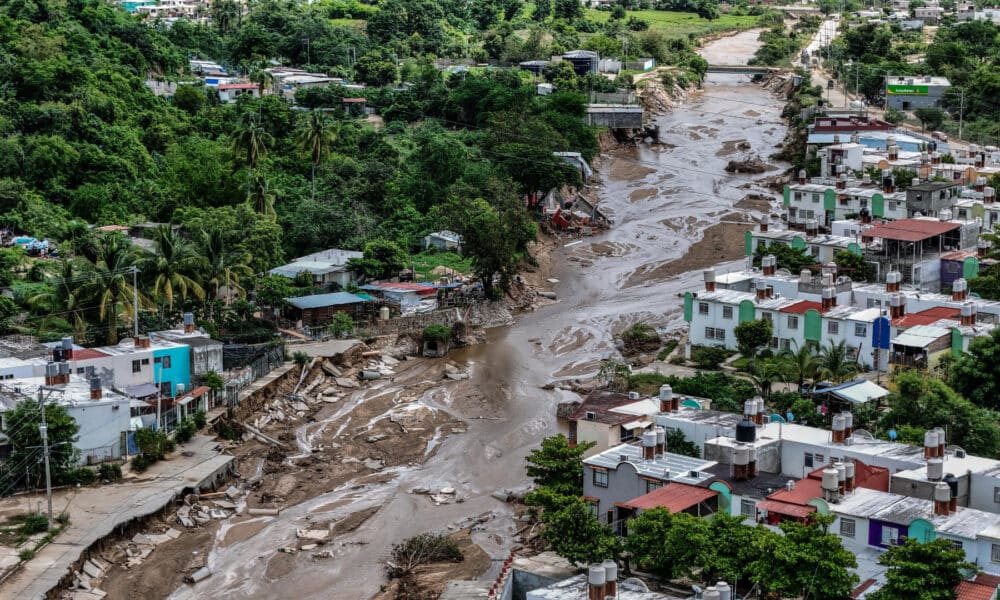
(740,363)
(681,24)
(425,262)
(356,23)
(667,349)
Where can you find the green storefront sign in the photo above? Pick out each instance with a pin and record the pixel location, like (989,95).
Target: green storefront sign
(907,90)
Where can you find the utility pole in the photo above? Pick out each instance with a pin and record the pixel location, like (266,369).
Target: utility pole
(135,300)
(43,428)
(961,113)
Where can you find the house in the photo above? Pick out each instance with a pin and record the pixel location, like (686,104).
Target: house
(102,415)
(583,61)
(931,197)
(444,240)
(327,268)
(318,310)
(229,93)
(205,353)
(909,93)
(355,106)
(625,472)
(411,298)
(609,418)
(930,15)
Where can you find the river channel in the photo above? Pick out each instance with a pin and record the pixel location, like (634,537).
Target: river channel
(663,199)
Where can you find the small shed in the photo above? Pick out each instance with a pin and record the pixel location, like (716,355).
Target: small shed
(444,240)
(318,310)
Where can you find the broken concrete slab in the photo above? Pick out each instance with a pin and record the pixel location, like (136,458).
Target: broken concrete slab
(448,490)
(330,369)
(185,521)
(225,504)
(308,547)
(91,569)
(375,465)
(88,594)
(300,407)
(420,490)
(457,376)
(331,400)
(312,534)
(232,492)
(376,438)
(142,539)
(216,513)
(347,383)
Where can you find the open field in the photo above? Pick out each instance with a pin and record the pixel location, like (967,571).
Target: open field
(681,24)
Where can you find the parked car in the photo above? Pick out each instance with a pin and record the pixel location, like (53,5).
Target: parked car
(939,135)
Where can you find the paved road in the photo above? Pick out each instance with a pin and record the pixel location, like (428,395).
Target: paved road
(96,511)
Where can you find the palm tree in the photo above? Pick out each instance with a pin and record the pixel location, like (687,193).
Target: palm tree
(801,365)
(251,140)
(764,372)
(262,78)
(835,364)
(223,267)
(66,296)
(314,138)
(111,285)
(262,197)
(173,267)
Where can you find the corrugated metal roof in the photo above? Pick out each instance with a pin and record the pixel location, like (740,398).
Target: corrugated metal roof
(322,300)
(911,230)
(859,392)
(675,497)
(920,336)
(667,466)
(783,508)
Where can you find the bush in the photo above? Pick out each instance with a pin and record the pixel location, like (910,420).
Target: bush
(200,419)
(213,380)
(437,333)
(709,357)
(79,476)
(33,524)
(341,325)
(141,462)
(639,335)
(300,358)
(421,549)
(185,431)
(26,554)
(63,517)
(667,349)
(227,431)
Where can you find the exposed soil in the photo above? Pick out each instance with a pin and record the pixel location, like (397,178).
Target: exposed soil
(643,194)
(628,170)
(730,147)
(428,580)
(721,242)
(757,202)
(165,568)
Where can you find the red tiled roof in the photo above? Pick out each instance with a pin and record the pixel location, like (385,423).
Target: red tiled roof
(867,583)
(354,100)
(88,354)
(783,508)
(804,490)
(675,497)
(910,230)
(865,476)
(970,590)
(197,392)
(987,579)
(926,317)
(800,308)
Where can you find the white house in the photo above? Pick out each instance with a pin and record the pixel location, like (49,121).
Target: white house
(229,93)
(326,267)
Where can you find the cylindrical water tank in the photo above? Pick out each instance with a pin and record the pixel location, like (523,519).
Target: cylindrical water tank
(930,438)
(760,404)
(596,575)
(741,455)
(746,431)
(610,570)
(959,285)
(831,481)
(838,423)
(710,593)
(805,275)
(841,471)
(952,482)
(648,439)
(750,407)
(67,343)
(666,392)
(850,470)
(848,420)
(709,275)
(942,492)
(383,313)
(661,435)
(935,469)
(893,277)
(725,592)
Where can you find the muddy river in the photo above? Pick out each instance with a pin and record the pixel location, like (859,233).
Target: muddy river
(673,207)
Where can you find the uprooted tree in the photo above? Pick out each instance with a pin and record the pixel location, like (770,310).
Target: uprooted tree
(420,550)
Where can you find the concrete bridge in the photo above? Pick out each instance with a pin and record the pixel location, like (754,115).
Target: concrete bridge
(615,116)
(743,69)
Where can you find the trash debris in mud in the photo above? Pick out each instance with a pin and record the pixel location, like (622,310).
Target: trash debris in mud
(752,165)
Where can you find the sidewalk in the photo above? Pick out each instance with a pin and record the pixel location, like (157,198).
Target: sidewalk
(96,512)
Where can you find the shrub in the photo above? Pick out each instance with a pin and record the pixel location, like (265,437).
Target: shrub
(33,524)
(26,554)
(300,358)
(226,431)
(437,333)
(709,357)
(213,380)
(421,549)
(185,431)
(341,324)
(79,476)
(666,350)
(639,334)
(141,462)
(200,419)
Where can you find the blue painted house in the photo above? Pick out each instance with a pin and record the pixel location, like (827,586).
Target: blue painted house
(171,365)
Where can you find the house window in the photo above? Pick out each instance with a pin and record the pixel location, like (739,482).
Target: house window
(957,545)
(892,205)
(715,333)
(136,366)
(890,536)
(80,370)
(860,329)
(748,508)
(809,460)
(774,342)
(703,308)
(832,327)
(727,312)
(145,361)
(793,322)
(815,198)
(995,553)
(798,195)
(847,527)
(951,267)
(652,485)
(996,495)
(819,459)
(164,362)
(595,507)
(600,478)
(786,344)
(766,316)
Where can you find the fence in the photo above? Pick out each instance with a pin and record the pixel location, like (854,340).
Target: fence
(245,364)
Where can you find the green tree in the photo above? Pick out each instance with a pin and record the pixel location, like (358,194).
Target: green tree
(802,365)
(558,466)
(765,372)
(793,259)
(543,10)
(929,117)
(21,425)
(111,284)
(835,362)
(189,98)
(732,549)
(65,296)
(222,268)
(894,115)
(575,534)
(382,259)
(975,373)
(853,265)
(251,140)
(173,267)
(668,545)
(8,309)
(10,262)
(341,324)
(272,290)
(376,69)
(315,136)
(753,335)
(807,561)
(925,570)
(678,444)
(567,9)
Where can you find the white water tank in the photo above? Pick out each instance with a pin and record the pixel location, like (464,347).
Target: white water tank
(830,482)
(610,570)
(760,404)
(838,423)
(741,455)
(596,575)
(935,469)
(725,592)
(666,392)
(841,471)
(750,407)
(848,419)
(850,470)
(648,439)
(942,492)
(930,439)
(661,435)
(710,593)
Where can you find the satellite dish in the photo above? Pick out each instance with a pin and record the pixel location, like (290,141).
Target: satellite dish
(893,435)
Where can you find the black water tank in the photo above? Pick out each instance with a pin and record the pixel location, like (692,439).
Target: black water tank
(746,431)
(952,482)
